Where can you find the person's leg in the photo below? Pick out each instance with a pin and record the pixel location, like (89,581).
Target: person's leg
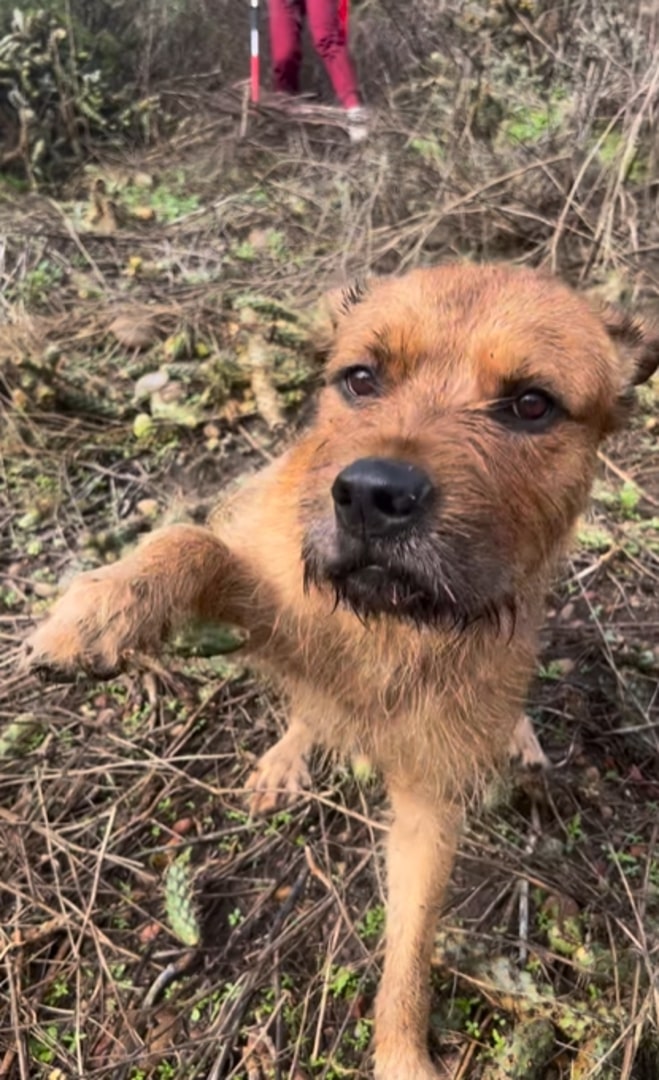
(285,19)
(329,40)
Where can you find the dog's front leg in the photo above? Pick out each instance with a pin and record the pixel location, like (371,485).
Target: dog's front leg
(421,851)
(179,573)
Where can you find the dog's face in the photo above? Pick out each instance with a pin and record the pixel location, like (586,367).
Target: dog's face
(456,438)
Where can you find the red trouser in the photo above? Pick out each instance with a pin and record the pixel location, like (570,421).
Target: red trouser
(328,36)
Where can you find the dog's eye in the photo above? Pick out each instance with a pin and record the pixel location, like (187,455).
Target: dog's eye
(532,406)
(527,409)
(360,382)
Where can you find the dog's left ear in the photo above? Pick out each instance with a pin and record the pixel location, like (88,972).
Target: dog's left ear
(637,341)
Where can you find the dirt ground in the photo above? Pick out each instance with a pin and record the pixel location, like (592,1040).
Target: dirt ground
(158,339)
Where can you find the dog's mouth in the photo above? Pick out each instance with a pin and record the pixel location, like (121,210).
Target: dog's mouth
(407,580)
(373,589)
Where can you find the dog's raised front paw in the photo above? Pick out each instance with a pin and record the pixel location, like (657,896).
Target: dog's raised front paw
(97,623)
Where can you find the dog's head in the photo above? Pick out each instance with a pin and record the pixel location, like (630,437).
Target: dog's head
(456,438)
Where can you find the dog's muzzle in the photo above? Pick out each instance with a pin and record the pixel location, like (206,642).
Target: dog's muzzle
(388,553)
(380,497)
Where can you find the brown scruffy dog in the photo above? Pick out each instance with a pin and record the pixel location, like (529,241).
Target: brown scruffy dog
(391,567)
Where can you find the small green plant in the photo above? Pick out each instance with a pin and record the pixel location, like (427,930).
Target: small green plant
(42,1048)
(371,926)
(551,671)
(330,1068)
(235,917)
(530,124)
(166,1071)
(543,920)
(611,151)
(473,1029)
(230,992)
(209,1006)
(497,1039)
(574,832)
(463,1009)
(58,989)
(594,538)
(119,974)
(168,201)
(276,243)
(360,1036)
(629,497)
(343,982)
(429,149)
(37,283)
(244,251)
(8,598)
(280,820)
(628,863)
(133,720)
(72,1040)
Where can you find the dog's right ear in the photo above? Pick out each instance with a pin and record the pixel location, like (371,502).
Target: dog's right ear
(332,307)
(340,301)
(637,341)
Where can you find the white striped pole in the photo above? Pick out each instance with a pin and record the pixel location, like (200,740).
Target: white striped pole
(254,50)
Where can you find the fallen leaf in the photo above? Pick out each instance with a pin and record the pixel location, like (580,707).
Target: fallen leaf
(134,330)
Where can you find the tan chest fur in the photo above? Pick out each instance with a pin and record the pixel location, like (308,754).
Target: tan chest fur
(436,704)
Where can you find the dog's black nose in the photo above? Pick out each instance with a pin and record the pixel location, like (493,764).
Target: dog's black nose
(380,496)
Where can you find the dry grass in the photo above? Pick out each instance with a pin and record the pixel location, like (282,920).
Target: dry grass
(547,964)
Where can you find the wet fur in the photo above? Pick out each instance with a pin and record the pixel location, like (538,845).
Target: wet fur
(418,653)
